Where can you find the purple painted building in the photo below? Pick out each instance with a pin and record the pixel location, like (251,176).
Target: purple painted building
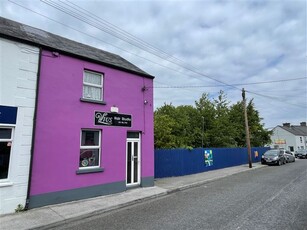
(94,122)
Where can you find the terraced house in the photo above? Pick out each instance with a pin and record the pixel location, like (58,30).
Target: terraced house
(76,122)
(290,137)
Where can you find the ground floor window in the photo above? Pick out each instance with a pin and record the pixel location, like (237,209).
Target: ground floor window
(5,151)
(90,149)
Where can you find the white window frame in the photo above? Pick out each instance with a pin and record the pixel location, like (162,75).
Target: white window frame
(91,147)
(11,153)
(92,85)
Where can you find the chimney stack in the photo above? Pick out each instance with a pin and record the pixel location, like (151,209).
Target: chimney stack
(286,124)
(303,123)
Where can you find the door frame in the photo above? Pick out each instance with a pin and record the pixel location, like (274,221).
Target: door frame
(138,141)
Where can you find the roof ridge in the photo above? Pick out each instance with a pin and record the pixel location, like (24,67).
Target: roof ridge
(42,38)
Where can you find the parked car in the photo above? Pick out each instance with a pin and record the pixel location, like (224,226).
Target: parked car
(289,156)
(295,154)
(302,153)
(273,157)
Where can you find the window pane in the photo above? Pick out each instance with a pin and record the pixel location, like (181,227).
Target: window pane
(135,179)
(90,138)
(91,92)
(129,162)
(136,150)
(5,152)
(133,135)
(92,78)
(89,157)
(5,133)
(135,167)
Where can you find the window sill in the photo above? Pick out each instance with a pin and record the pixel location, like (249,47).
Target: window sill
(6,184)
(93,101)
(91,170)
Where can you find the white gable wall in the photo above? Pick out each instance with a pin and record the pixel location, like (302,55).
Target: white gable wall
(291,140)
(18,80)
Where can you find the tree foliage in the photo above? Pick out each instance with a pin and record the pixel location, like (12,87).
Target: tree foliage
(210,123)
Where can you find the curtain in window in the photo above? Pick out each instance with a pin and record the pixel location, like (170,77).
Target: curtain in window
(92,78)
(92,92)
(92,86)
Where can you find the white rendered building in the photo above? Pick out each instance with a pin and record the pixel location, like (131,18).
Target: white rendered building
(290,137)
(18,84)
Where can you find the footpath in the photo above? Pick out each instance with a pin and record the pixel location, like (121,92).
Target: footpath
(56,215)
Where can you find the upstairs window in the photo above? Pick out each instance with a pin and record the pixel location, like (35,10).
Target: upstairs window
(92,86)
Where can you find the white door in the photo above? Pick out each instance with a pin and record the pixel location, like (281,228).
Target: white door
(133,159)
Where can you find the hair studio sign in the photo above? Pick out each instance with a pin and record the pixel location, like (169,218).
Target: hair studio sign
(112,119)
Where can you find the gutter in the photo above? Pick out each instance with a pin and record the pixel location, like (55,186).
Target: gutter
(33,131)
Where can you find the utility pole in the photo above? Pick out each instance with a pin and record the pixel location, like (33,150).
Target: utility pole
(247,131)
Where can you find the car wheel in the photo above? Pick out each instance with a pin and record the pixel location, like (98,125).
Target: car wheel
(279,163)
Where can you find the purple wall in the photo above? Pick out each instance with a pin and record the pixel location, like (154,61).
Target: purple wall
(61,116)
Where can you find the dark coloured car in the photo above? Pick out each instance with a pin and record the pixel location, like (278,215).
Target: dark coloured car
(302,153)
(273,157)
(289,156)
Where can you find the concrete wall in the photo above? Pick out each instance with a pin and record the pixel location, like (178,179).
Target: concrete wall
(18,79)
(61,116)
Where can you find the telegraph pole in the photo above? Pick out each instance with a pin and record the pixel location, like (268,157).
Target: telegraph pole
(247,131)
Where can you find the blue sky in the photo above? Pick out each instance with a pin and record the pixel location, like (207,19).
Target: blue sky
(234,42)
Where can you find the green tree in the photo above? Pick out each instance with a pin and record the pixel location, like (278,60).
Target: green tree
(213,123)
(178,131)
(163,127)
(189,118)
(222,131)
(258,135)
(236,118)
(206,111)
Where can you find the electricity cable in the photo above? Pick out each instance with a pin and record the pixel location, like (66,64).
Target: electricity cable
(94,24)
(82,18)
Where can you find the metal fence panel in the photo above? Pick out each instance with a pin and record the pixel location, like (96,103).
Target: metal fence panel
(179,162)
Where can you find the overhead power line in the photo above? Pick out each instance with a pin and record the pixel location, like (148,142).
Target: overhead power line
(94,20)
(117,47)
(276,99)
(134,41)
(252,83)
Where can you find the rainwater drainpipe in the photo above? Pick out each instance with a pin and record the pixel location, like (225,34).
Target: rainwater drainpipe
(34,129)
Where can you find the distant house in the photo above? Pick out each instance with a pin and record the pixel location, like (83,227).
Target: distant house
(290,137)
(93,130)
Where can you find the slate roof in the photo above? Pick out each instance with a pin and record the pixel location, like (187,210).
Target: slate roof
(296,130)
(37,37)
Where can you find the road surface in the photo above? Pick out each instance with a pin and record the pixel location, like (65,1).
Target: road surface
(272,197)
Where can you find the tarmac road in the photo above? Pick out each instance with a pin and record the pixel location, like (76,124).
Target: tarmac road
(273,197)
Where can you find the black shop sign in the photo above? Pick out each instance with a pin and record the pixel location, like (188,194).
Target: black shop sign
(112,119)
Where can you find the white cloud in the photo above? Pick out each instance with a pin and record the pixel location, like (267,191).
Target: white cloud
(231,41)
